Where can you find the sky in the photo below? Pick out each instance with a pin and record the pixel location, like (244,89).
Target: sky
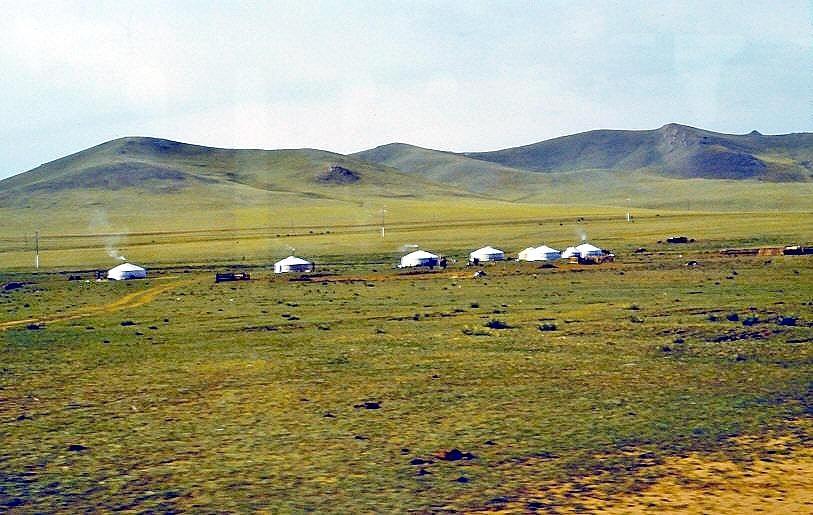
(349,75)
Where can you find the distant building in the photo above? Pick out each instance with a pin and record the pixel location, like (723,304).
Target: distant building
(586,250)
(541,253)
(292,264)
(486,254)
(419,258)
(126,271)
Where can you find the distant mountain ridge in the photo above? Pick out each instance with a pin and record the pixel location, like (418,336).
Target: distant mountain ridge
(158,166)
(675,150)
(601,166)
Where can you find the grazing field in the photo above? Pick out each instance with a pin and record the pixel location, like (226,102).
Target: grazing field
(640,384)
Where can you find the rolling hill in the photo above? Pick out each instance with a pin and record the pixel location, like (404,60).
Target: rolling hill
(675,150)
(157,166)
(157,184)
(457,170)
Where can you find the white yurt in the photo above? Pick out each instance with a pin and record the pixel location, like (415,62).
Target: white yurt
(528,254)
(126,271)
(585,249)
(569,253)
(292,264)
(541,253)
(486,254)
(419,258)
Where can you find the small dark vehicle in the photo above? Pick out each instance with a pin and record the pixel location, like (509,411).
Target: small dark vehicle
(231,276)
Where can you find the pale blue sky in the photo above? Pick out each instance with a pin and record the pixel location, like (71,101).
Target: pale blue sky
(350,75)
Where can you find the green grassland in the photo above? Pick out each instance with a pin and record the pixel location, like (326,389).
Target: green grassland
(250,396)
(333,233)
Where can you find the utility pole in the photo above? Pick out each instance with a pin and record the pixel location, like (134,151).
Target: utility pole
(383,211)
(37,250)
(629,216)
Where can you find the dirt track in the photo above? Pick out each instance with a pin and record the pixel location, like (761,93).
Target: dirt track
(131,300)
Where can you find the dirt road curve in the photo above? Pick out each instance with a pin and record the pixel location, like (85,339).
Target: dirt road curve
(131,300)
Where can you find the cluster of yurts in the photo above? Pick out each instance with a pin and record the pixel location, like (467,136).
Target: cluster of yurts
(417,258)
(485,254)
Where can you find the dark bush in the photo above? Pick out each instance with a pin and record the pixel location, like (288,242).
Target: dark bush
(786,320)
(496,324)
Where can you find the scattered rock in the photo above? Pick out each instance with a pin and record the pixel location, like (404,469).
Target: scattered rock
(329,415)
(338,175)
(127,323)
(462,479)
(368,405)
(14,285)
(75,447)
(423,472)
(786,320)
(455,455)
(496,324)
(420,461)
(34,327)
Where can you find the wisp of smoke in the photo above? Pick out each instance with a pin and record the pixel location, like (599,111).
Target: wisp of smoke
(100,224)
(407,247)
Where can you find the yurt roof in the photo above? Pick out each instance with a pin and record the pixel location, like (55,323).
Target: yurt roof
(488,250)
(586,247)
(420,254)
(126,267)
(293,260)
(544,249)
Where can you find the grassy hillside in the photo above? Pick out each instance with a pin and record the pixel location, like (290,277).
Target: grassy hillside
(645,188)
(160,167)
(158,201)
(675,150)
(449,168)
